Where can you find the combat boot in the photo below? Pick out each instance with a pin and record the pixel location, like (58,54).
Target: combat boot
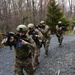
(59,44)
(46,53)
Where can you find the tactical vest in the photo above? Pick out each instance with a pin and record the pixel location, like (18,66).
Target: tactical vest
(22,51)
(34,36)
(45,32)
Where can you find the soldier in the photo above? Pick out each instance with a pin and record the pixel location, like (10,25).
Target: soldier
(37,37)
(59,32)
(46,33)
(23,46)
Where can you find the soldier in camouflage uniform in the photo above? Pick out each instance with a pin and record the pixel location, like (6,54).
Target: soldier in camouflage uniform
(46,33)
(59,32)
(37,37)
(23,49)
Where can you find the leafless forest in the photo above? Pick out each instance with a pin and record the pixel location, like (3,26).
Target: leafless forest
(15,12)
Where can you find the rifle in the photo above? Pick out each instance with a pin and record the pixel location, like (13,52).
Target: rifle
(15,36)
(40,26)
(34,37)
(64,26)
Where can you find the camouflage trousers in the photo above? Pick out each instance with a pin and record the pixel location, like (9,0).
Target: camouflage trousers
(46,45)
(36,55)
(20,65)
(60,39)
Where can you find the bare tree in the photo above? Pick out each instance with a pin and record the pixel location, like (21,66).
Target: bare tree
(70,6)
(15,12)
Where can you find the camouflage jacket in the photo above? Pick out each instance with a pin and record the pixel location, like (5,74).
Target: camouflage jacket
(46,31)
(22,51)
(59,30)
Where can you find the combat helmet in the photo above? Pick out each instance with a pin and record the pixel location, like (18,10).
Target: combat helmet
(42,22)
(21,28)
(59,22)
(30,25)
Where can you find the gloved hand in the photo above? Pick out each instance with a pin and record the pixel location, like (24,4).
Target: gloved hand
(11,39)
(60,28)
(23,42)
(36,36)
(4,40)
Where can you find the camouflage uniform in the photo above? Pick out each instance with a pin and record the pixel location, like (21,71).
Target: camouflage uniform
(59,34)
(38,35)
(1,40)
(23,58)
(46,39)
